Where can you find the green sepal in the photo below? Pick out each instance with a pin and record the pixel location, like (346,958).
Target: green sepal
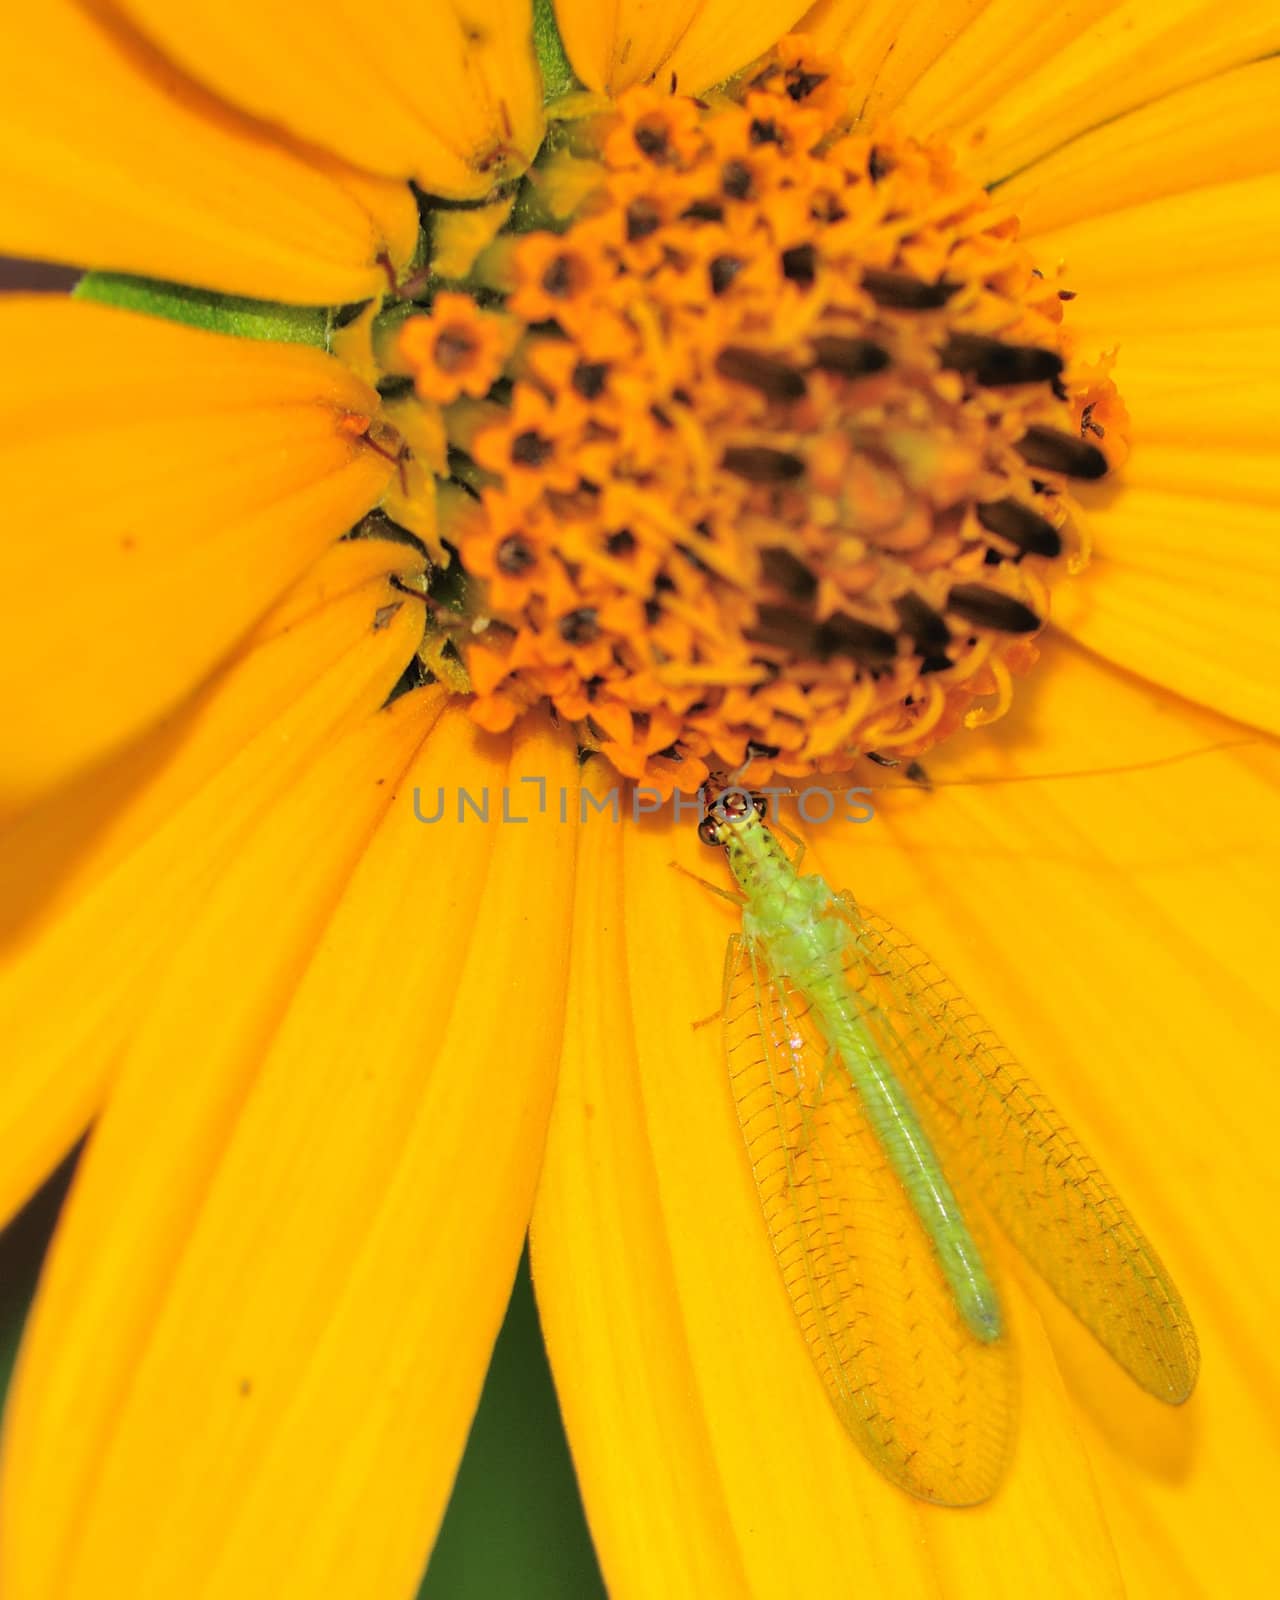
(201,308)
(558,76)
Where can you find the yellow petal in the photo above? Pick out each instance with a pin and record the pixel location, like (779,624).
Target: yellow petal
(1023,79)
(1128,278)
(164,487)
(1184,389)
(615,43)
(111,157)
(1214,472)
(272,1298)
(886,44)
(56,850)
(1181,589)
(1224,128)
(1112,931)
(1182,583)
(668,1325)
(446,93)
(607,1296)
(1203,414)
(106,944)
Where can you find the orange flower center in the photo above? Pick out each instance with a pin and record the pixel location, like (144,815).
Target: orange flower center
(779,467)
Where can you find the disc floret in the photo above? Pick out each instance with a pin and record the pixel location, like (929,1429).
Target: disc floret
(780,467)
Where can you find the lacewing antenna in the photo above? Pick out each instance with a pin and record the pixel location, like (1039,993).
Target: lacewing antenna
(921,781)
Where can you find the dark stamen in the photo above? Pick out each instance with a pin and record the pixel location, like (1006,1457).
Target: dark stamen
(580,626)
(771,375)
(991,608)
(735,180)
(922,624)
(764,130)
(988,361)
(788,573)
(1059,452)
(849,357)
(1033,534)
(898,291)
(621,543)
(530,449)
(783,629)
(652,139)
(758,463)
(703,211)
(454,348)
(825,207)
(879,165)
(674,258)
(801,84)
(514,556)
(588,378)
(843,635)
(722,271)
(558,278)
(800,265)
(643,218)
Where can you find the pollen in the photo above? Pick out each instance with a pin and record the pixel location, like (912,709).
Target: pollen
(780,466)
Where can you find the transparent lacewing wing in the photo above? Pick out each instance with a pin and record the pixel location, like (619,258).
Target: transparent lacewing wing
(817,993)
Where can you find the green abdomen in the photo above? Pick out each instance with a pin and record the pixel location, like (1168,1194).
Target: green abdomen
(907,1149)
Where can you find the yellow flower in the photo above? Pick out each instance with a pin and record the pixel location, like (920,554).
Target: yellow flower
(336,1058)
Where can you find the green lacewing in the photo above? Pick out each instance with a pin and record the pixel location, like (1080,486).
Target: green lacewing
(884,1122)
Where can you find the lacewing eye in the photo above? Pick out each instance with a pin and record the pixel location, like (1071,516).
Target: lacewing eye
(709,830)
